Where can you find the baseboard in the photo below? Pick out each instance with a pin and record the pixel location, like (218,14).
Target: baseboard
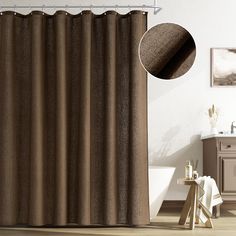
(229,205)
(178,204)
(172,204)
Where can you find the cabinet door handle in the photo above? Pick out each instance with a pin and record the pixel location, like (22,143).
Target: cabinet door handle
(229,146)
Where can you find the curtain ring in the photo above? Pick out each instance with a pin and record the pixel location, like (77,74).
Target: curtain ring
(81,9)
(129,9)
(143,9)
(1,10)
(104,8)
(116,7)
(43,9)
(66,7)
(14,9)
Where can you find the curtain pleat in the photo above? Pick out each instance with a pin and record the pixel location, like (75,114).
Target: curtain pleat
(61,120)
(84,122)
(23,83)
(138,129)
(110,198)
(122,119)
(37,147)
(8,163)
(73,125)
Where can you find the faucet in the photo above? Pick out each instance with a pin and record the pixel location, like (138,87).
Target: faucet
(232,127)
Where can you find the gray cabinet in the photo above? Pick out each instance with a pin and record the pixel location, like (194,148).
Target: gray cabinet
(228,174)
(219,162)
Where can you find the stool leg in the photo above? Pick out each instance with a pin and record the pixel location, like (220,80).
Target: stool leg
(217,209)
(197,221)
(186,208)
(193,206)
(208,223)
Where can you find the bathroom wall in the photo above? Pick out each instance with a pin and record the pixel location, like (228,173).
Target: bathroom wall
(177,109)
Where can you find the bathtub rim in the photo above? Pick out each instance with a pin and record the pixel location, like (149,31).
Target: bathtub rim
(161,167)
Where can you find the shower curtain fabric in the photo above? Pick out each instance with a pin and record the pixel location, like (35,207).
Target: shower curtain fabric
(73,125)
(168,51)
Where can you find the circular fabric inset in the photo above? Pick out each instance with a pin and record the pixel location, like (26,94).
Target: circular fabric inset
(167,51)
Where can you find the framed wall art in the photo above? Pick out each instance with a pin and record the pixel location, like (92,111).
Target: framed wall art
(223,67)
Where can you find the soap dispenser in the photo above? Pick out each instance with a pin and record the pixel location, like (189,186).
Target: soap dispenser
(188,171)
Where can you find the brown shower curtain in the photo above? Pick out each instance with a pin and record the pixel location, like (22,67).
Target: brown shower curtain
(73,128)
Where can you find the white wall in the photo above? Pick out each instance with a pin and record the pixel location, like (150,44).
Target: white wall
(177,109)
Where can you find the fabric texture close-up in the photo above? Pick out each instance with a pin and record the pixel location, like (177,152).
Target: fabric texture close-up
(167,51)
(73,120)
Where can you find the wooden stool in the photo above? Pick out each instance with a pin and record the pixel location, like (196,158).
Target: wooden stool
(191,204)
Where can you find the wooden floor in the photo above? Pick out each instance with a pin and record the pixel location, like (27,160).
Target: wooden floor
(165,224)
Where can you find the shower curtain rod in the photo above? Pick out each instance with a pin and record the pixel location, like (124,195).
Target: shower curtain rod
(154,6)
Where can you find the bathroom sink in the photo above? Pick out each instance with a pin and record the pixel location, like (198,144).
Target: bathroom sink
(226,135)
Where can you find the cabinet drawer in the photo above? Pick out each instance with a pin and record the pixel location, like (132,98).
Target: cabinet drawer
(228,145)
(229,175)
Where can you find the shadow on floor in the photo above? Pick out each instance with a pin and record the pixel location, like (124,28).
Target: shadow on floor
(165,225)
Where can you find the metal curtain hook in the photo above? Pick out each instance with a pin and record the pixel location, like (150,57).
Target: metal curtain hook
(14,9)
(43,9)
(66,6)
(81,9)
(143,9)
(30,8)
(116,8)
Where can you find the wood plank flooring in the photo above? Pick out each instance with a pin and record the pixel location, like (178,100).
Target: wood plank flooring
(165,224)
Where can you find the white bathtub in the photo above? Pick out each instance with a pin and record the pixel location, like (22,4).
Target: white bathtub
(159,181)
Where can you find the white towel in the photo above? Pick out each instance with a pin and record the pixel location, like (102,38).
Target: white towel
(208,196)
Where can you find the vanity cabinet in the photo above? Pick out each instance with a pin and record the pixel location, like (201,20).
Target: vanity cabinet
(219,162)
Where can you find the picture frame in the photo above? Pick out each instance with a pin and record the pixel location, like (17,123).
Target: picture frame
(223,67)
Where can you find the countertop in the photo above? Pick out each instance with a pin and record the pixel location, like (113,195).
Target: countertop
(228,135)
